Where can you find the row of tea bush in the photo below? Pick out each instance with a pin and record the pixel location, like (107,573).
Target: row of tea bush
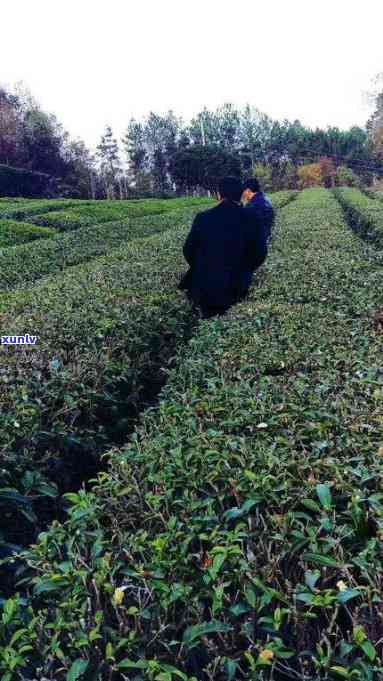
(364,212)
(13,233)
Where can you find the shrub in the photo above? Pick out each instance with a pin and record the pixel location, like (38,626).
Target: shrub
(13,233)
(25,209)
(104,329)
(23,265)
(310,175)
(328,171)
(100,212)
(264,173)
(345,177)
(364,214)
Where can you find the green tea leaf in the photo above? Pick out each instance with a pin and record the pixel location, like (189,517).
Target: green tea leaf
(341,671)
(77,669)
(197,630)
(347,595)
(319,559)
(324,494)
(230,669)
(369,650)
(311,504)
(311,578)
(129,664)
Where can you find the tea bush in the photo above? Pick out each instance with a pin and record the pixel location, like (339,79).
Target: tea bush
(13,233)
(25,264)
(364,213)
(104,329)
(24,208)
(101,335)
(99,212)
(239,532)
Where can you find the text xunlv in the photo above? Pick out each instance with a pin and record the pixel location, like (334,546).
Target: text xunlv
(19,340)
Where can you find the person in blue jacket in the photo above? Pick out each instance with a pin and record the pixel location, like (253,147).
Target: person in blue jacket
(221,247)
(257,202)
(262,214)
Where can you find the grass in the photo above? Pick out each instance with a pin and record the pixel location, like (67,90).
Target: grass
(238,533)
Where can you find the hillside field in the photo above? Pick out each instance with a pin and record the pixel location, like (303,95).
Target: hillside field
(187,499)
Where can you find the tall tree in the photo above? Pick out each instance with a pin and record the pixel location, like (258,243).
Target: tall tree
(80,171)
(43,143)
(375,123)
(201,167)
(136,153)
(10,124)
(161,138)
(110,165)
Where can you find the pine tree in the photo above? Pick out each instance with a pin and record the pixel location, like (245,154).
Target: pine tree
(110,165)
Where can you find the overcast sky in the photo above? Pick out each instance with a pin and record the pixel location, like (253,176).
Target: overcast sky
(97,62)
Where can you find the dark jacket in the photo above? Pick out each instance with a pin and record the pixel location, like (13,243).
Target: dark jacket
(222,244)
(262,210)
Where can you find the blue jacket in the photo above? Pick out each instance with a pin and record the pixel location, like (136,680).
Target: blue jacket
(262,210)
(221,246)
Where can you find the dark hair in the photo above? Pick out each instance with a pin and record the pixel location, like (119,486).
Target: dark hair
(230,188)
(252,184)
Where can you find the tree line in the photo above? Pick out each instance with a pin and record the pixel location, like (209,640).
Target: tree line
(163,155)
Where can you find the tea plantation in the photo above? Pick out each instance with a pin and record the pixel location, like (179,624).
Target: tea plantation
(194,499)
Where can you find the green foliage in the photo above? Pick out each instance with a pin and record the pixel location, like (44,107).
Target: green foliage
(71,213)
(24,209)
(280,199)
(21,182)
(264,173)
(364,213)
(345,177)
(95,365)
(204,166)
(20,266)
(239,529)
(310,175)
(13,233)
(100,212)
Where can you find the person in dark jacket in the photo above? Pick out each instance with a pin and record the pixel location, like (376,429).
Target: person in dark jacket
(221,246)
(261,207)
(262,214)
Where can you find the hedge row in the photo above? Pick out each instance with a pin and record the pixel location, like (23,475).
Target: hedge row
(281,199)
(74,213)
(77,210)
(23,209)
(13,233)
(238,534)
(104,330)
(364,213)
(25,264)
(99,213)
(75,315)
